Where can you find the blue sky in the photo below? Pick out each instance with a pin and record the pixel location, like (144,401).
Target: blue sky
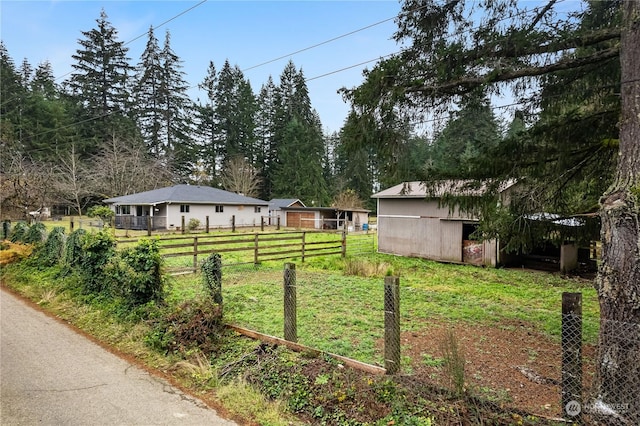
(247,33)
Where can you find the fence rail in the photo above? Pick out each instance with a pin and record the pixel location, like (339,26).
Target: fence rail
(185,253)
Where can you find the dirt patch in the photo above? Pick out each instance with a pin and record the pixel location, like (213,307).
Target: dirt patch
(507,363)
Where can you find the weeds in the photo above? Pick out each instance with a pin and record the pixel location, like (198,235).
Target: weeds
(453,362)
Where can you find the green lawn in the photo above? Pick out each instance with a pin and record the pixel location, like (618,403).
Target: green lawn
(343,314)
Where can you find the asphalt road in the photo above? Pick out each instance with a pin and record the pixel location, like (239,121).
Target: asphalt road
(51,375)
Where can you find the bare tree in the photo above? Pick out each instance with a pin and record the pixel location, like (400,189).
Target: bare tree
(123,167)
(241,177)
(25,185)
(347,199)
(71,183)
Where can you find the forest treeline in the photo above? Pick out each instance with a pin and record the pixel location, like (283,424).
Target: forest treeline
(116,126)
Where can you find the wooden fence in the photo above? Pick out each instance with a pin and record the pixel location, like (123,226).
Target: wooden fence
(184,253)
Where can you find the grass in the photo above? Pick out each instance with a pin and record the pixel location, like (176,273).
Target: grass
(343,314)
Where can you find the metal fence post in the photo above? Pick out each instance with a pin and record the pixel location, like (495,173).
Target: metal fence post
(290,308)
(392,324)
(572,356)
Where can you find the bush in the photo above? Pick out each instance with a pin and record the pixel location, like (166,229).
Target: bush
(19,233)
(136,274)
(12,252)
(73,250)
(102,212)
(53,249)
(36,233)
(193,224)
(95,252)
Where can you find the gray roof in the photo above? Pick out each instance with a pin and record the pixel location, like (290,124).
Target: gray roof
(418,189)
(185,194)
(278,203)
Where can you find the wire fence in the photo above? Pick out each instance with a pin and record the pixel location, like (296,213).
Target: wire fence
(472,379)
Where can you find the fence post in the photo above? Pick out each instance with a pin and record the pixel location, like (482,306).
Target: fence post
(278,223)
(262,223)
(148,226)
(207,224)
(70,224)
(392,324)
(182,226)
(233,223)
(212,271)
(572,356)
(302,247)
(290,314)
(195,254)
(255,249)
(344,243)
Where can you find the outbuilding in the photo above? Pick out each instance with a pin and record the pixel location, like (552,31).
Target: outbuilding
(412,222)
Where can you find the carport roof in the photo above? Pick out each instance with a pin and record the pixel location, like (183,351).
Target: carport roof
(185,194)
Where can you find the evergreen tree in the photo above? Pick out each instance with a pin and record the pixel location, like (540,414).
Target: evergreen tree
(99,81)
(265,135)
(177,110)
(207,127)
(471,132)
(235,108)
(149,108)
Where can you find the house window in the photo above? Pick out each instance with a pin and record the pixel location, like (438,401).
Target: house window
(123,209)
(184,208)
(219,209)
(257,209)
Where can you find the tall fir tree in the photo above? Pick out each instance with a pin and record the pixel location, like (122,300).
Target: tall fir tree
(100,82)
(177,109)
(265,134)
(147,93)
(207,128)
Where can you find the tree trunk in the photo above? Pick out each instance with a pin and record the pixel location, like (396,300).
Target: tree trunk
(618,282)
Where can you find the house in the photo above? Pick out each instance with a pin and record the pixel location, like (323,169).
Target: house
(168,208)
(412,223)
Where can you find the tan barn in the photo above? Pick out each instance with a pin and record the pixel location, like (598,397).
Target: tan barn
(410,224)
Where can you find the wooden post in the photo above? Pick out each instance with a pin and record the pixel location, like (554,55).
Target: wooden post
(182,227)
(207,224)
(195,254)
(70,224)
(278,223)
(255,249)
(392,324)
(344,243)
(262,223)
(233,223)
(303,243)
(148,226)
(572,356)
(290,308)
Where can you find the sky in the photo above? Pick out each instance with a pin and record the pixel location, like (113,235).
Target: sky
(260,37)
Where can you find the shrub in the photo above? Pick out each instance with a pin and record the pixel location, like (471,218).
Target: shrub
(101,212)
(193,224)
(12,252)
(36,233)
(136,274)
(53,249)
(96,251)
(73,249)
(19,233)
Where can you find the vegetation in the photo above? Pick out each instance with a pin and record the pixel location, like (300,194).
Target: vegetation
(178,329)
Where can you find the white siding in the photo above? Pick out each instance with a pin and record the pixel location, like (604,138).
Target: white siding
(245,215)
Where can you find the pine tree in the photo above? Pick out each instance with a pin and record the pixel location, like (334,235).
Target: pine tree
(100,81)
